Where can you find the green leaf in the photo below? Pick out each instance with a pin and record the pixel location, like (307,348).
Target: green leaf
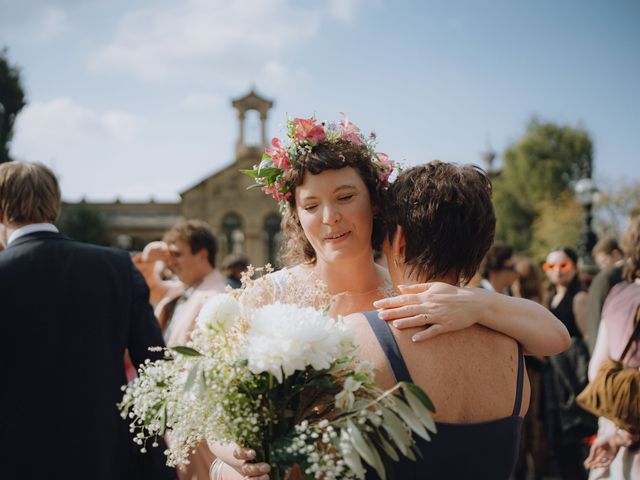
(420,410)
(186,351)
(191,378)
(202,384)
(397,430)
(365,450)
(420,393)
(251,173)
(268,172)
(376,420)
(352,459)
(163,420)
(410,418)
(386,446)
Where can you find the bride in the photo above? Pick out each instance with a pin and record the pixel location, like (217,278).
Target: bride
(330,182)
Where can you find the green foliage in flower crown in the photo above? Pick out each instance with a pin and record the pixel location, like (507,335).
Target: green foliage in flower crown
(302,135)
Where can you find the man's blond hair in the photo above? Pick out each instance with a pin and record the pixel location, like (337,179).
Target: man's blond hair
(29,193)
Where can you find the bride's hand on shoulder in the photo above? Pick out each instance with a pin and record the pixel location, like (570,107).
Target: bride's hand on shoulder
(438,306)
(441,308)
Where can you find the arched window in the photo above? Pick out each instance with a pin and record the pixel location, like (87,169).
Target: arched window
(232,235)
(272,236)
(252,128)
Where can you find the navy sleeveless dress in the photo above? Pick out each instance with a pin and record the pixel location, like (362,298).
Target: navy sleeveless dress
(478,451)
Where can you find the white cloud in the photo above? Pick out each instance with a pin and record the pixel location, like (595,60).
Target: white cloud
(61,122)
(278,77)
(214,40)
(344,10)
(202,101)
(53,21)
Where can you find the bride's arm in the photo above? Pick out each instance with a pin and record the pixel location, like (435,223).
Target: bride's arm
(446,308)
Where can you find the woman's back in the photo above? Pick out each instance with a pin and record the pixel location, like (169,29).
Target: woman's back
(473,378)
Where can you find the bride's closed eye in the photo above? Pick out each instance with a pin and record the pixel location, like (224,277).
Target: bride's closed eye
(309,208)
(346,198)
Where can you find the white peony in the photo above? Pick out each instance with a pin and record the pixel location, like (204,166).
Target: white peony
(283,338)
(219,313)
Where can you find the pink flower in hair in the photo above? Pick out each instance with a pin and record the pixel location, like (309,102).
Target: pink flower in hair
(306,129)
(385,167)
(278,155)
(275,191)
(349,131)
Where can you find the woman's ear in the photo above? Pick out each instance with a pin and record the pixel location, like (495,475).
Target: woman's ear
(398,243)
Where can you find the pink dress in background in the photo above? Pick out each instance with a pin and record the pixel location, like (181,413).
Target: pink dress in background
(619,314)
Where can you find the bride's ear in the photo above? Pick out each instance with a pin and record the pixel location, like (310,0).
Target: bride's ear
(398,243)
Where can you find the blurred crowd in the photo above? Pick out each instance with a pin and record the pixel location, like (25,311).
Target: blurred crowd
(557,434)
(599,312)
(559,438)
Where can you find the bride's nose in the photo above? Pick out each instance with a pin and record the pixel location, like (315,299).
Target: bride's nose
(330,215)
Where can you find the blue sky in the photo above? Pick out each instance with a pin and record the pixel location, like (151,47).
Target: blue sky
(132,99)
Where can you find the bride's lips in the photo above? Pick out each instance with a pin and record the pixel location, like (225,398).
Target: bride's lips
(334,237)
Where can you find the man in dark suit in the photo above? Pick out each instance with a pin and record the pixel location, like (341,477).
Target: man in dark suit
(68,312)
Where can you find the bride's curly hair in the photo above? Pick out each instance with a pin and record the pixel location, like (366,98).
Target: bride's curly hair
(295,247)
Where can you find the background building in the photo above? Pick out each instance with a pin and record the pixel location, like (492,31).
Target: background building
(244,220)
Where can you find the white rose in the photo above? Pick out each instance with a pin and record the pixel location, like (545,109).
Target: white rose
(219,313)
(284,338)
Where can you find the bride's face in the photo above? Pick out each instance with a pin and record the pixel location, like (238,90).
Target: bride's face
(335,212)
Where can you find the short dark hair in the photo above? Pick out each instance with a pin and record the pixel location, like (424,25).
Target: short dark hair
(495,258)
(235,261)
(29,193)
(324,156)
(631,247)
(606,245)
(447,216)
(197,234)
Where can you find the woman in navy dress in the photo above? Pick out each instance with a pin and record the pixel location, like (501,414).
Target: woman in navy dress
(475,376)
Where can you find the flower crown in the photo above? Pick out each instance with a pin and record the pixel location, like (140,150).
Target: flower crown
(303,134)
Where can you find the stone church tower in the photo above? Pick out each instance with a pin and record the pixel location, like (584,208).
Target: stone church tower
(244,220)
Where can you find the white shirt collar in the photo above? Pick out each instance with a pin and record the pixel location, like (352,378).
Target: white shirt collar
(486,284)
(31,228)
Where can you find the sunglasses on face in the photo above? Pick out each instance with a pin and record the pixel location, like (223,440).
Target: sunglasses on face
(563,266)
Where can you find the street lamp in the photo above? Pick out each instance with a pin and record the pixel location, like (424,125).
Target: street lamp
(586,191)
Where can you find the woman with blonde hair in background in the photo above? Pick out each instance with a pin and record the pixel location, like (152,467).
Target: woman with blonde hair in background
(616,453)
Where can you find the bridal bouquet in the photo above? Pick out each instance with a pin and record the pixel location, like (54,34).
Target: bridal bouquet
(283,381)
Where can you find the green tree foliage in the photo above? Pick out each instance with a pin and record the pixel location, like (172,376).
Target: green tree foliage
(538,168)
(559,223)
(11,102)
(84,223)
(617,204)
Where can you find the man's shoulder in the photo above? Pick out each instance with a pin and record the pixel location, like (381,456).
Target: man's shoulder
(62,249)
(606,278)
(214,281)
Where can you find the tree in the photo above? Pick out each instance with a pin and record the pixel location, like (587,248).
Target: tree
(559,223)
(11,102)
(538,168)
(617,204)
(84,223)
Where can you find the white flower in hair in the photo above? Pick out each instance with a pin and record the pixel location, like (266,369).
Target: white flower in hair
(283,338)
(219,313)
